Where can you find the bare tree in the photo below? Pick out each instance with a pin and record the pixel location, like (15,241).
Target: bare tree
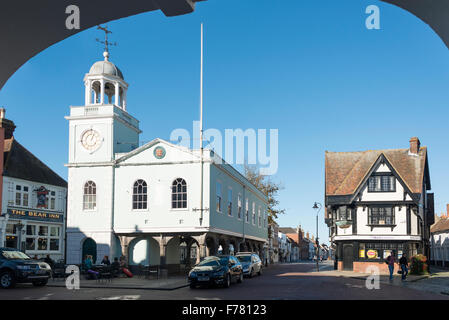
(268,187)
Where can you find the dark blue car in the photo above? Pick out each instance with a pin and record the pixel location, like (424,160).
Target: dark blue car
(216,270)
(17,267)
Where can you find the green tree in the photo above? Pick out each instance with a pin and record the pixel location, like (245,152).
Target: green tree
(269,188)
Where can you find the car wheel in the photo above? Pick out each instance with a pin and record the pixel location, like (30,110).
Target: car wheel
(260,271)
(227,283)
(7,280)
(40,283)
(240,279)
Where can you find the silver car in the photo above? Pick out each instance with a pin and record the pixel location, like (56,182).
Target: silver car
(251,263)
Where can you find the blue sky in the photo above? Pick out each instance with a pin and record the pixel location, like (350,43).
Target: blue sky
(308,68)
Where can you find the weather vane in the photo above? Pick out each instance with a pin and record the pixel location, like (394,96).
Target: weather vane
(106,41)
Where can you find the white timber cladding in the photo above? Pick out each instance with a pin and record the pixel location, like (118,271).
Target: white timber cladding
(439,244)
(400,211)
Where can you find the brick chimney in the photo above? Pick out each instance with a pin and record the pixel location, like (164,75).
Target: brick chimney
(414,145)
(307,235)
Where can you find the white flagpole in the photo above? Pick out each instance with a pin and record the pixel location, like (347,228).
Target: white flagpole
(201,127)
(201,92)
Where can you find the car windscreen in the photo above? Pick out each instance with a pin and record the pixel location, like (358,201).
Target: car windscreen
(209,263)
(15,255)
(244,258)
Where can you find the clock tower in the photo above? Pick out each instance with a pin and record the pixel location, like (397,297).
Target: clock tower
(98,131)
(102,127)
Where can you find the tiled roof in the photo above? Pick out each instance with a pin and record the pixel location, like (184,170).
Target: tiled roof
(287,230)
(22,164)
(293,236)
(440,225)
(345,171)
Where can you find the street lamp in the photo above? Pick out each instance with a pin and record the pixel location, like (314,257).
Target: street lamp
(317,207)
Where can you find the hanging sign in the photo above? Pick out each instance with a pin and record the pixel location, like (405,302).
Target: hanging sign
(42,193)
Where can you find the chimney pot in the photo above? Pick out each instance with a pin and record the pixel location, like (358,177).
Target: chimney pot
(414,145)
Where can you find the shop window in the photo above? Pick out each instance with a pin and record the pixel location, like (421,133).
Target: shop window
(179,194)
(43,230)
(140,195)
(31,230)
(54,244)
(46,238)
(30,244)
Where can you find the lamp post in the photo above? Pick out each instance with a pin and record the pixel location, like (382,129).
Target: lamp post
(317,207)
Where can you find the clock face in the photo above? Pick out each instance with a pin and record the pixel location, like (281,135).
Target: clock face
(91,140)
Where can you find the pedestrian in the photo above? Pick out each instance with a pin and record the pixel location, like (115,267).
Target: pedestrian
(88,264)
(116,267)
(403,263)
(391,259)
(49,261)
(106,261)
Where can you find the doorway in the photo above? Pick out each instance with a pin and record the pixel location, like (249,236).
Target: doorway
(348,257)
(90,248)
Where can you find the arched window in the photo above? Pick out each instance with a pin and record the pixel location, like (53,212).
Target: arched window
(140,194)
(179,194)
(90,196)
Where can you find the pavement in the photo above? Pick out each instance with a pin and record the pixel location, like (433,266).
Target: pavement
(435,282)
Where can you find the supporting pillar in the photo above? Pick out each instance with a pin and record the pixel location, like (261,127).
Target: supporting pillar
(117,91)
(188,253)
(102,91)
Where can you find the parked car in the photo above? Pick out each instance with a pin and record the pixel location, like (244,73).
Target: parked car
(251,263)
(216,270)
(17,267)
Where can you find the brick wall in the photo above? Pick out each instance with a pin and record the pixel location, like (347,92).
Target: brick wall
(361,267)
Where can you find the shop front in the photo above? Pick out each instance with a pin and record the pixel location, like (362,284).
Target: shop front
(35,232)
(358,256)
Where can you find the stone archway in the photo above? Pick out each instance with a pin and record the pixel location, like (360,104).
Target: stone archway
(143,250)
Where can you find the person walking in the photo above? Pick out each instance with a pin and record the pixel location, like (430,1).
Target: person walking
(403,263)
(391,259)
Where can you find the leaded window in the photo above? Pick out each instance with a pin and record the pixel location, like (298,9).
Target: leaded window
(381,216)
(90,196)
(179,194)
(381,183)
(140,195)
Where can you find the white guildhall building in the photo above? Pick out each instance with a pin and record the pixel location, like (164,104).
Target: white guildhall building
(144,202)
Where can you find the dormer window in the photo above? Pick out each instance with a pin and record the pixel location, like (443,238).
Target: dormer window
(382,183)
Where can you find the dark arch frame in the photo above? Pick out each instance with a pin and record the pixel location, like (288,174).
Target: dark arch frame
(42,24)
